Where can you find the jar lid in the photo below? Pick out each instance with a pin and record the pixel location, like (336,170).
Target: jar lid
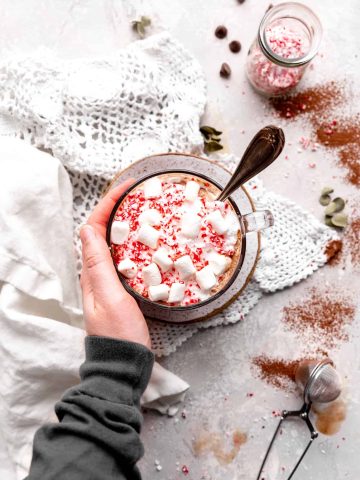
(296,14)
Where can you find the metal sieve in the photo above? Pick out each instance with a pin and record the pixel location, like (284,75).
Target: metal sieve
(320,383)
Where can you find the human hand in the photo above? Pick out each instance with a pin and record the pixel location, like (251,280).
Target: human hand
(109,310)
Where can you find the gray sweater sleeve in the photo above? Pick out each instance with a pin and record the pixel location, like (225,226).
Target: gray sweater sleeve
(97,436)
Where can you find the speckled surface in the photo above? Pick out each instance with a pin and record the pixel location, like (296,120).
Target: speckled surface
(163,163)
(217,362)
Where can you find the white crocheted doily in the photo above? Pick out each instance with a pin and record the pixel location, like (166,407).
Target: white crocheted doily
(99,116)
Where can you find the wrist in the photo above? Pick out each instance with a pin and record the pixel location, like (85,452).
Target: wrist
(114,365)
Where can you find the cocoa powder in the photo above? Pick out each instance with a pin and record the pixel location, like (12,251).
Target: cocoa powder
(277,372)
(341,135)
(310,101)
(210,442)
(345,138)
(333,252)
(352,241)
(329,418)
(323,317)
(321,321)
(349,246)
(335,135)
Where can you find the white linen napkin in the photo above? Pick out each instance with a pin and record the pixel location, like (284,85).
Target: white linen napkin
(41,341)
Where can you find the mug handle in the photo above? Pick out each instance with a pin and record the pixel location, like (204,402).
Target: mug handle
(256,221)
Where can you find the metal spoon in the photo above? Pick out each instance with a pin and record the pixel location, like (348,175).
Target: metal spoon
(263,149)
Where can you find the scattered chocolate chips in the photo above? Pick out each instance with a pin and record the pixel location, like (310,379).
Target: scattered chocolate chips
(225,70)
(241,1)
(221,31)
(235,46)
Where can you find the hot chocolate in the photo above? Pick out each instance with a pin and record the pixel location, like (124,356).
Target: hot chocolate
(173,242)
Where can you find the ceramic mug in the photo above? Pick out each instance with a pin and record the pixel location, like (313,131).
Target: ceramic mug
(249,222)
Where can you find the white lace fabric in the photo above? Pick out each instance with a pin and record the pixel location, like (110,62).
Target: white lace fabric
(99,116)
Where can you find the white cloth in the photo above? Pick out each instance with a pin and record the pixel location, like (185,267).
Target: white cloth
(41,344)
(165,391)
(98,116)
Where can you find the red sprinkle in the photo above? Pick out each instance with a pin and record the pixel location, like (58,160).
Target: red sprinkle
(185,470)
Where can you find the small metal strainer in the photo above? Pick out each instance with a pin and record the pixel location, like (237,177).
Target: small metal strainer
(321,383)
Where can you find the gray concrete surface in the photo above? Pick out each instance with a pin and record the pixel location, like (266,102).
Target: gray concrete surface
(217,362)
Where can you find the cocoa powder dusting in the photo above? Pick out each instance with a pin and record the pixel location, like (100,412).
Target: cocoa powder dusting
(345,138)
(323,317)
(349,246)
(330,418)
(349,158)
(352,241)
(333,252)
(342,135)
(277,372)
(339,135)
(210,442)
(310,101)
(320,321)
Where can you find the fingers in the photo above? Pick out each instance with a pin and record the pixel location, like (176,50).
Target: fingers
(87,293)
(99,275)
(100,216)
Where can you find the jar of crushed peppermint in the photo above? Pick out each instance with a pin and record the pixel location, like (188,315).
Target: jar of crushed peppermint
(288,39)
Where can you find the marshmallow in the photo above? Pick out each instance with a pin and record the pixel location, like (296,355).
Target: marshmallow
(233,223)
(218,222)
(148,235)
(206,278)
(151,275)
(151,217)
(191,191)
(152,187)
(119,232)
(128,268)
(218,263)
(159,292)
(162,259)
(190,225)
(185,267)
(176,294)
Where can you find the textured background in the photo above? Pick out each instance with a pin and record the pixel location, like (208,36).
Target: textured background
(217,362)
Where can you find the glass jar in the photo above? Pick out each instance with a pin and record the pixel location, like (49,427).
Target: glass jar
(288,39)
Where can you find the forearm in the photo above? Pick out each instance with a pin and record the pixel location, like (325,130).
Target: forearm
(99,420)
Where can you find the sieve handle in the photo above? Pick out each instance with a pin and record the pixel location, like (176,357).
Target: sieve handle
(303,414)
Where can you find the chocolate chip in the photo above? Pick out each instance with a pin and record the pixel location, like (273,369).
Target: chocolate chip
(241,1)
(225,70)
(235,46)
(221,31)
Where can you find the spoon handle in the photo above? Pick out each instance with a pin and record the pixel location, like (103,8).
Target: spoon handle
(263,149)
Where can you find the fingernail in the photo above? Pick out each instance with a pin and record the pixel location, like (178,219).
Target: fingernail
(87,233)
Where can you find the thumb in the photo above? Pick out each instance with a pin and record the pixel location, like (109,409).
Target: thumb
(97,261)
